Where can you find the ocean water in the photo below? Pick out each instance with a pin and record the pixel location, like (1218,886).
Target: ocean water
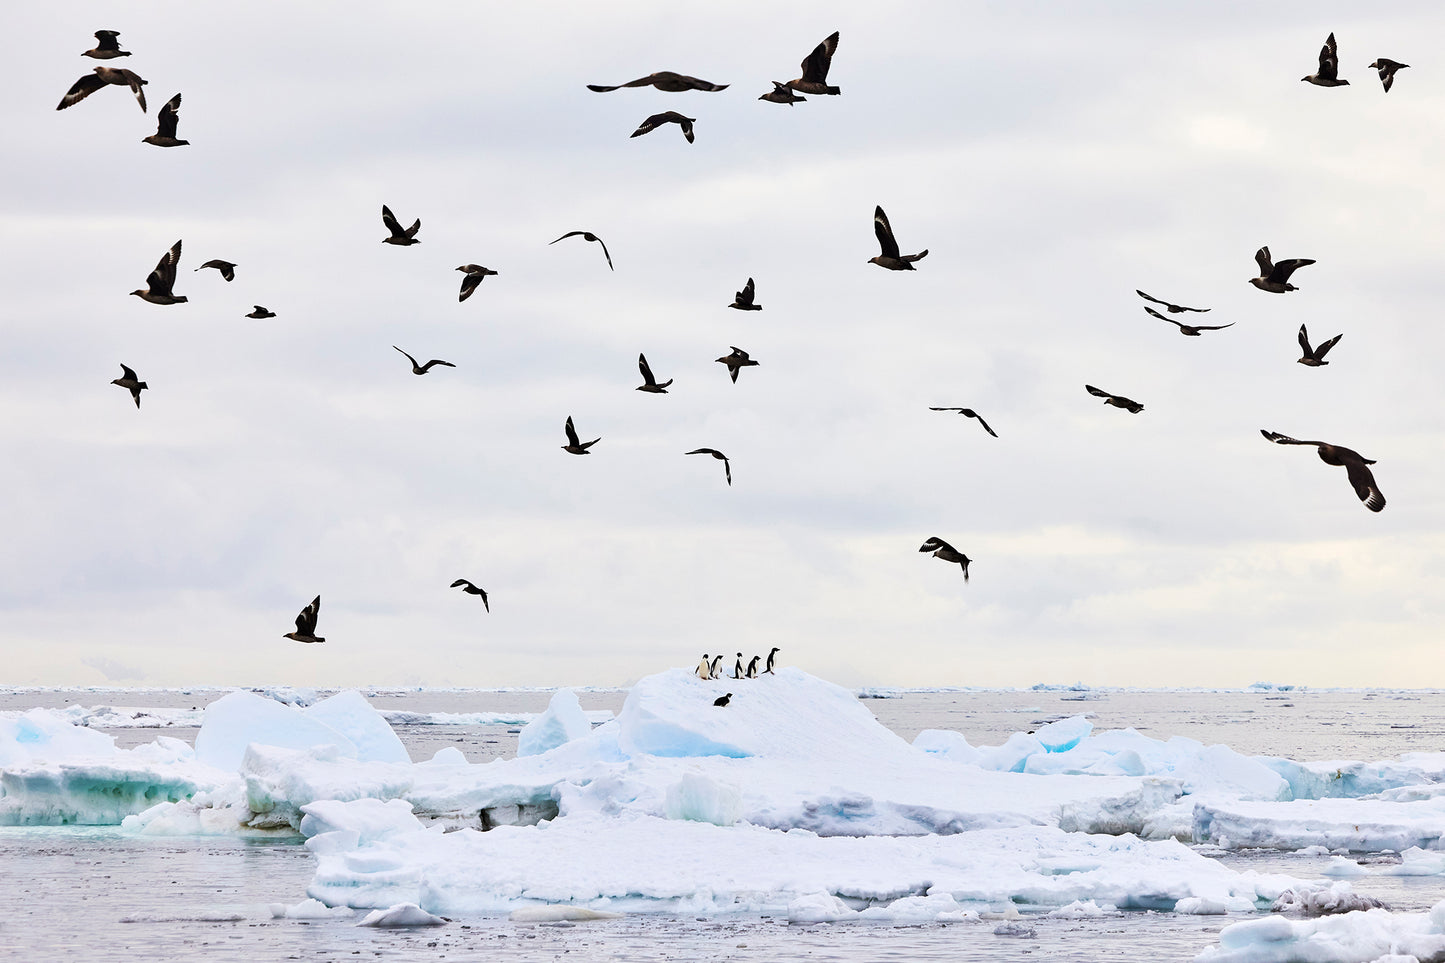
(97,894)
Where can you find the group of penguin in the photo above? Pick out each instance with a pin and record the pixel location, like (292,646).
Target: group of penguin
(712,669)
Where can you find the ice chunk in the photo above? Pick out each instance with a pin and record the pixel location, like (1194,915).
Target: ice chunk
(697,797)
(370,819)
(351,715)
(563,721)
(1063,735)
(238,719)
(1343,867)
(45,735)
(1417,862)
(281,782)
(818,908)
(310,909)
(1351,938)
(946,744)
(402,914)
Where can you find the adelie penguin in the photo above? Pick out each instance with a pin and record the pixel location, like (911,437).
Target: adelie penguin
(738,667)
(704,668)
(714,671)
(722,700)
(769,668)
(752,671)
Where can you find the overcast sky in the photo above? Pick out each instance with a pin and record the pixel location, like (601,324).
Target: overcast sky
(1051,157)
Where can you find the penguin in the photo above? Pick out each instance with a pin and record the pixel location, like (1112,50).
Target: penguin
(703,671)
(738,667)
(752,672)
(715,672)
(722,700)
(769,669)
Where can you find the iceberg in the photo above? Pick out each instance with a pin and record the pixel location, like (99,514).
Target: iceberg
(563,721)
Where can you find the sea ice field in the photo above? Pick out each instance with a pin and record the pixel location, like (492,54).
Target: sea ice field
(802,820)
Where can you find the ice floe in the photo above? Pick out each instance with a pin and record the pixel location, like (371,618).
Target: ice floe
(1359,937)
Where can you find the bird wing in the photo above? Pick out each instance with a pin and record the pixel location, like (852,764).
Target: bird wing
(163,278)
(132,78)
(748,292)
(80,90)
(1329,59)
(1364,481)
(1324,348)
(469,284)
(1265,262)
(816,64)
(168,117)
(571,432)
(1097,392)
(728,470)
(109,39)
(408,357)
(646,370)
(884,230)
(973,414)
(435,361)
(1160,316)
(485,604)
(1211,327)
(392,224)
(931,408)
(1279,439)
(569,233)
(411,231)
(650,124)
(1284,269)
(606,254)
(460,582)
(1149,297)
(306,621)
(129,374)
(1304,342)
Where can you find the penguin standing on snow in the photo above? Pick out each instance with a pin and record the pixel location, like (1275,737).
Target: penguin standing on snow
(715,672)
(703,671)
(738,667)
(752,672)
(769,669)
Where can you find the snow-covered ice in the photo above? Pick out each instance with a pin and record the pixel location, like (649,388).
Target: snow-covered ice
(1360,937)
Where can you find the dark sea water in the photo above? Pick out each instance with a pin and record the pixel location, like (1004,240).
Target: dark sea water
(96,894)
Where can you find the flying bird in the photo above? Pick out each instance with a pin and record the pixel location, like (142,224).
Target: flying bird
(160,281)
(398,236)
(649,383)
(574,446)
(166,120)
(104,76)
(1171,308)
(1314,357)
(1328,74)
(474,275)
(890,257)
(1360,476)
(586,236)
(666,117)
(260,312)
(738,359)
(1275,277)
(131,383)
(1192,330)
(815,69)
(743,300)
(1118,401)
(1387,69)
(782,94)
(306,623)
(421,369)
(471,589)
(947,552)
(664,80)
(968,413)
(108,46)
(727,465)
(227,269)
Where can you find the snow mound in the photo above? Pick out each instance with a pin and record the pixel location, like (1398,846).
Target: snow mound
(563,721)
(238,719)
(351,715)
(310,909)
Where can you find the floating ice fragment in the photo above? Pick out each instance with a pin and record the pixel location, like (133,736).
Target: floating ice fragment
(563,721)
(402,914)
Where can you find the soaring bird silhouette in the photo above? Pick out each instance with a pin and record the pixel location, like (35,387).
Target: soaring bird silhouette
(166,120)
(727,465)
(1118,401)
(227,268)
(737,360)
(108,46)
(575,446)
(1360,477)
(1171,308)
(398,236)
(587,236)
(1387,68)
(782,94)
(664,80)
(260,312)
(131,383)
(743,300)
(649,383)
(102,77)
(666,117)
(421,369)
(306,623)
(474,274)
(1314,357)
(1192,330)
(1275,277)
(890,258)
(160,281)
(947,552)
(968,413)
(471,589)
(1328,74)
(815,69)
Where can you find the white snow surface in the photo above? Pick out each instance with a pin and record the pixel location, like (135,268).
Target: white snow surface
(1362,937)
